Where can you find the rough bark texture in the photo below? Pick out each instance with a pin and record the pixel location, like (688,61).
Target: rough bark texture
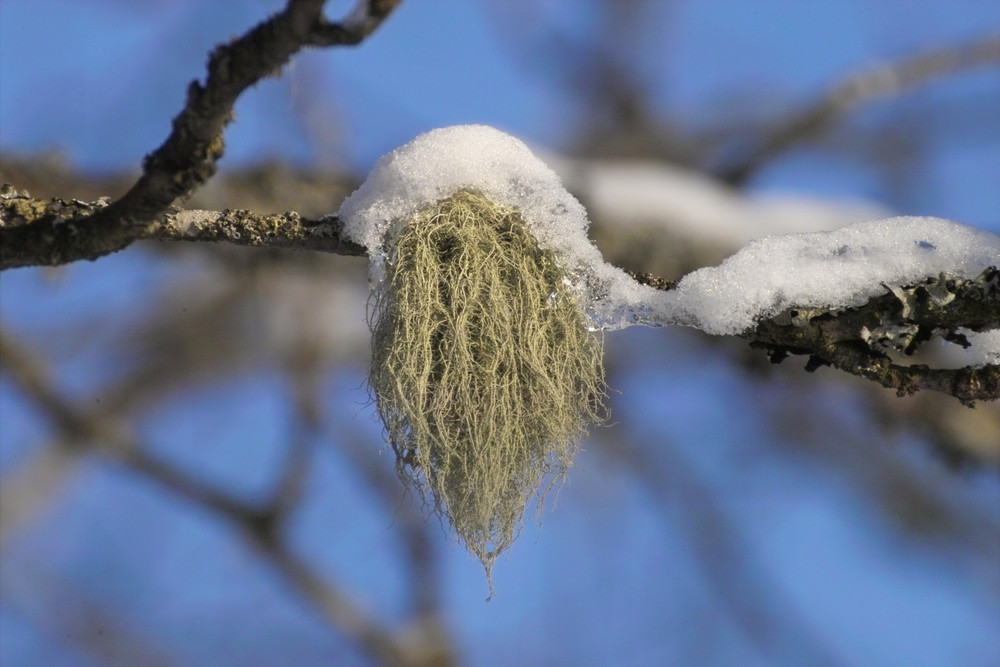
(863,341)
(187,159)
(51,230)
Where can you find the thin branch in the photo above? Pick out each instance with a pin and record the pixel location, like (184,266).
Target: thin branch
(883,80)
(424,575)
(187,159)
(71,616)
(363,21)
(26,226)
(31,487)
(861,340)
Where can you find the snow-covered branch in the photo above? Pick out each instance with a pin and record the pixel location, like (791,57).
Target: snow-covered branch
(865,340)
(821,294)
(188,157)
(850,298)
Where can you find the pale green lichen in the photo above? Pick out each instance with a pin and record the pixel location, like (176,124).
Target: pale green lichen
(483,371)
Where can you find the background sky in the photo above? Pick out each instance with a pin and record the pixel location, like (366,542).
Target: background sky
(445,62)
(622,571)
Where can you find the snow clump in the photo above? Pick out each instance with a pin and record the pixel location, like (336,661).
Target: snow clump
(479,158)
(834,269)
(837,269)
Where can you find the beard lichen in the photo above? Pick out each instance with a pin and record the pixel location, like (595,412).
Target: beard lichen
(483,370)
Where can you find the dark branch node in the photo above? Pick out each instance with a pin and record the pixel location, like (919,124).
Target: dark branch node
(264,526)
(746,155)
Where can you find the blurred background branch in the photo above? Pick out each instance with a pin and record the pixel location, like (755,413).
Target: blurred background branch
(877,82)
(262,526)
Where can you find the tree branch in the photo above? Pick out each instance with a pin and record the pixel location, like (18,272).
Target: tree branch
(187,159)
(856,340)
(27,224)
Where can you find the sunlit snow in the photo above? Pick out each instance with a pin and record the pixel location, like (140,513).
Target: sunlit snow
(437,164)
(844,267)
(839,268)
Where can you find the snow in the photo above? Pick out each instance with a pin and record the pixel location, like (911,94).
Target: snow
(835,269)
(441,162)
(437,164)
(832,269)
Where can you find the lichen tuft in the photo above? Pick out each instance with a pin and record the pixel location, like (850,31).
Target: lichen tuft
(483,371)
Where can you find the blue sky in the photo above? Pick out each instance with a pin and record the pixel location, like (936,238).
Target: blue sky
(444,62)
(99,82)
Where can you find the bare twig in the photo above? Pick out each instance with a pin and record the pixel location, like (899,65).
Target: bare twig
(414,528)
(883,80)
(31,487)
(187,159)
(26,226)
(51,601)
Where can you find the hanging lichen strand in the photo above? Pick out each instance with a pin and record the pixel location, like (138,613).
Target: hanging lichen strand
(483,371)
